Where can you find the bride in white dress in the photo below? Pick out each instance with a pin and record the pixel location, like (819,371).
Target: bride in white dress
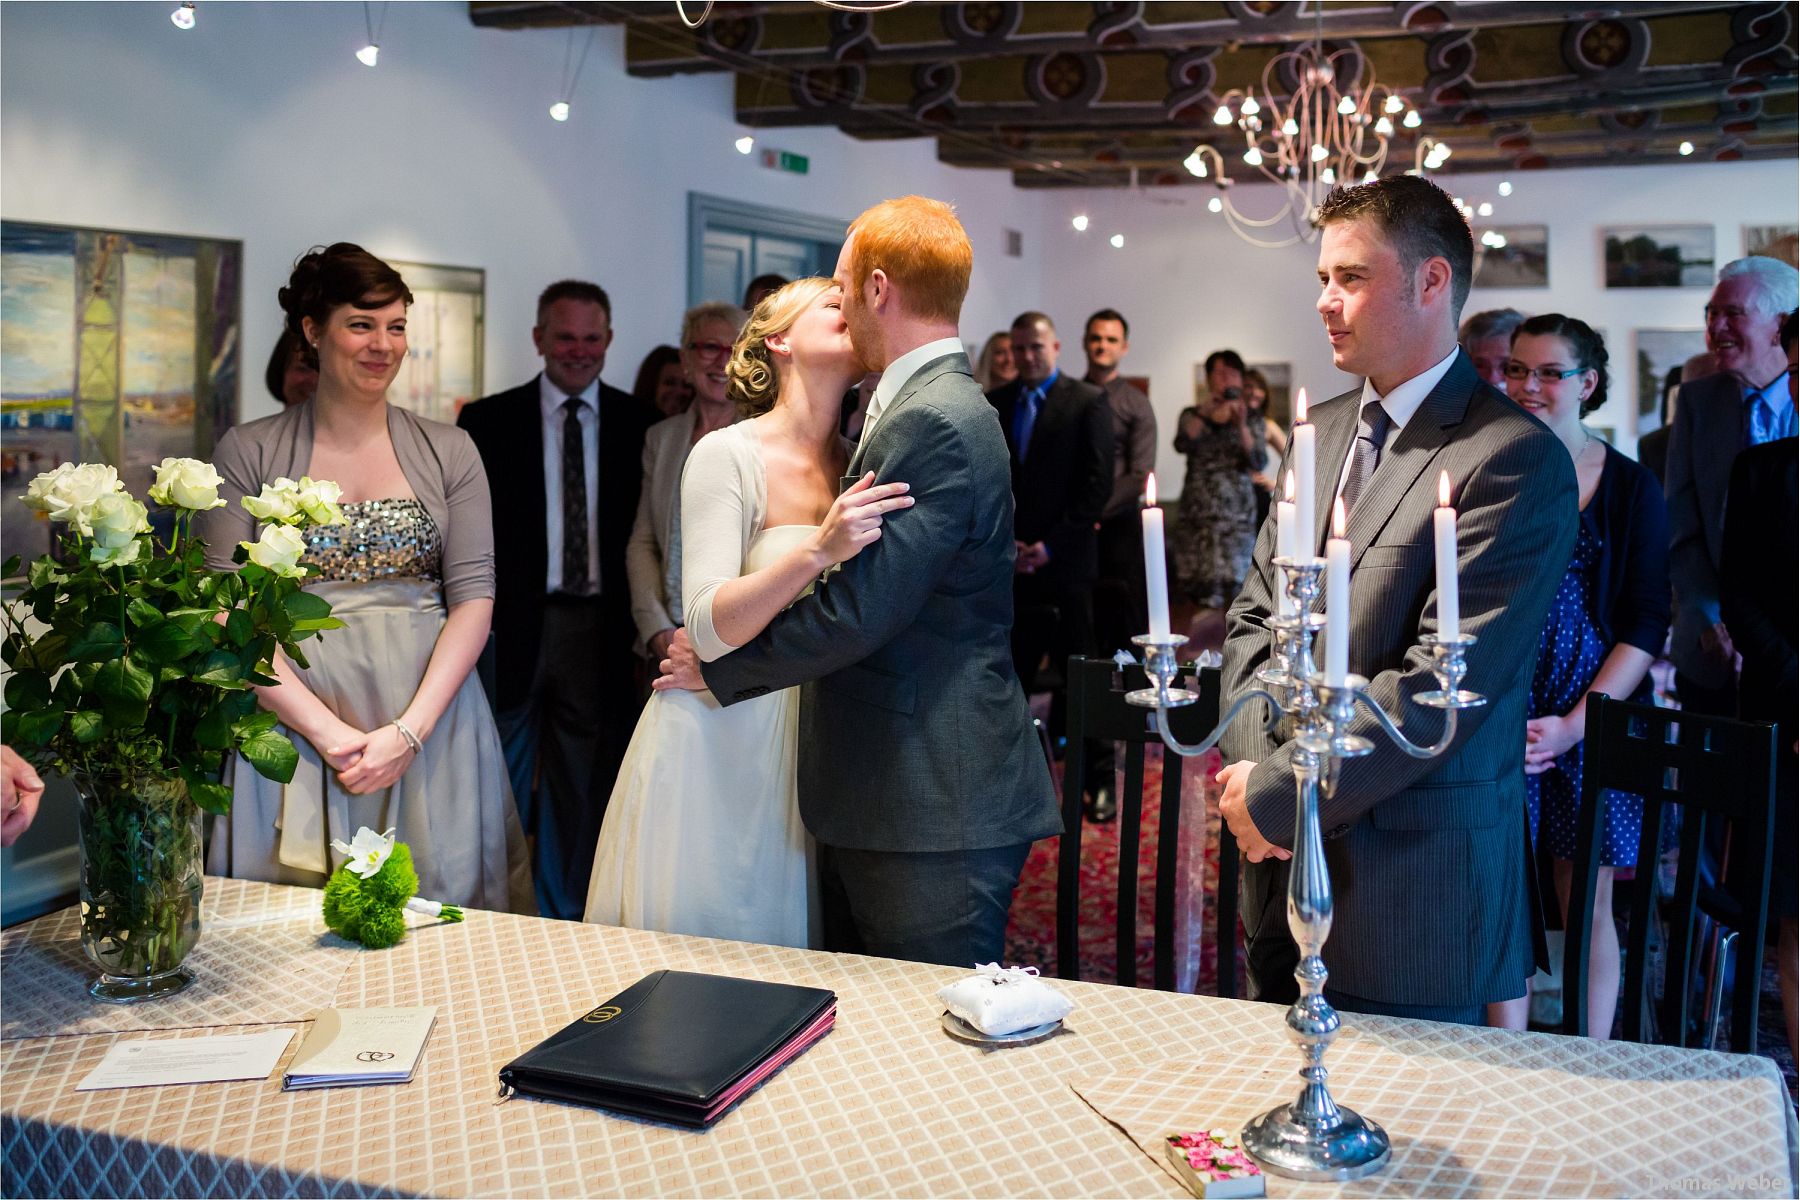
(703,833)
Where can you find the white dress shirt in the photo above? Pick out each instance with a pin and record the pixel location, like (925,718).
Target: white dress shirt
(903,369)
(1399,404)
(551,401)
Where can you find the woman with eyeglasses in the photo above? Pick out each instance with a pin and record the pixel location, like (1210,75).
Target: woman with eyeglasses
(1605,627)
(653,554)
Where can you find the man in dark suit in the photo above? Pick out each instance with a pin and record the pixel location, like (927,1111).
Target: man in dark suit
(919,776)
(1059,435)
(564,461)
(1716,416)
(1427,857)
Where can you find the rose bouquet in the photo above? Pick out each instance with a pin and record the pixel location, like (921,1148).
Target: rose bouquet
(131,666)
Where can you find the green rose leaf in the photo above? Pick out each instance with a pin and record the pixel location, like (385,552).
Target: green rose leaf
(30,728)
(48,654)
(221,668)
(144,614)
(213,731)
(211,797)
(97,643)
(304,606)
(124,691)
(86,726)
(27,689)
(167,643)
(273,756)
(239,626)
(11,569)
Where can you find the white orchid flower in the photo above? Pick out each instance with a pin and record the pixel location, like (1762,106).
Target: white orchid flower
(365,852)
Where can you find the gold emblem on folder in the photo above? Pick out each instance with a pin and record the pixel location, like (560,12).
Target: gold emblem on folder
(601,1015)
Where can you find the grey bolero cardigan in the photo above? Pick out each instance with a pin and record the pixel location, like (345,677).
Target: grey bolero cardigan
(439,461)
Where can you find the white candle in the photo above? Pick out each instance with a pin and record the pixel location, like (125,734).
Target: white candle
(1156,569)
(1337,600)
(1306,535)
(1443,525)
(1284,547)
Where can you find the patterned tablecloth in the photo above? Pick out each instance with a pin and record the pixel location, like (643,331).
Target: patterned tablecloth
(885,1105)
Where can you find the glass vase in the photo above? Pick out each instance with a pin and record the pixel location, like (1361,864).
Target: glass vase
(141,878)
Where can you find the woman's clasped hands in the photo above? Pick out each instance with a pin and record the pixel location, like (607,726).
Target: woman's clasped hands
(368,762)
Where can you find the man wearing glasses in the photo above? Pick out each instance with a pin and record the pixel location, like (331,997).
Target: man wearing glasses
(1717,416)
(562,454)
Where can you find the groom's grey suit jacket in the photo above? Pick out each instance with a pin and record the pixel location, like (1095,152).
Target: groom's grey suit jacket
(1427,857)
(914,735)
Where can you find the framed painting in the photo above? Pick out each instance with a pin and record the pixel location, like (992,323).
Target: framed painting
(1660,351)
(1639,256)
(1773,241)
(445,328)
(1513,256)
(115,347)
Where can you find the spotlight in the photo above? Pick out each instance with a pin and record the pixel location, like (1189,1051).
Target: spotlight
(1215,205)
(1080,222)
(183,16)
(1118,241)
(1318,152)
(1384,127)
(559,111)
(1685,149)
(1499,242)
(745,144)
(368,54)
(1505,188)
(1253,156)
(1412,119)
(1328,177)
(1196,166)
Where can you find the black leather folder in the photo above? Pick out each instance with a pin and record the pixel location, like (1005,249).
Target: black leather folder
(675,1046)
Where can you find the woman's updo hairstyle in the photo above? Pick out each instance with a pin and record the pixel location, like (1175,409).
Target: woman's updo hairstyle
(753,382)
(329,277)
(1587,346)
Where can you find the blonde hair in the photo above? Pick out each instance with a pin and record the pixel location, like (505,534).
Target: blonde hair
(753,382)
(700,314)
(922,247)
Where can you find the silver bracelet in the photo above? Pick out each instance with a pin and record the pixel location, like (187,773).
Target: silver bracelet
(411,738)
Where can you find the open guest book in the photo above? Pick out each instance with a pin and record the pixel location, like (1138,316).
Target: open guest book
(675,1046)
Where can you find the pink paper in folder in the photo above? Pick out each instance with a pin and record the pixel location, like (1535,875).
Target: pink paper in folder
(781,1058)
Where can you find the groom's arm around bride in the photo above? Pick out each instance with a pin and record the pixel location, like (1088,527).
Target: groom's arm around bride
(919,775)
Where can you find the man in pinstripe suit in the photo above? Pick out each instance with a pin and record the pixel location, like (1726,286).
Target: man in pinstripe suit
(1427,857)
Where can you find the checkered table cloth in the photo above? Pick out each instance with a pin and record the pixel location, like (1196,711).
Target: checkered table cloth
(885,1105)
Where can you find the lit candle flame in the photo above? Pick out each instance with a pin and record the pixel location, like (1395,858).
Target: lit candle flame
(1150,490)
(1290,488)
(1337,517)
(1300,406)
(1443,489)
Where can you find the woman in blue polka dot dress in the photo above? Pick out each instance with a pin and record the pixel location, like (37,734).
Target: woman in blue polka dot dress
(1604,629)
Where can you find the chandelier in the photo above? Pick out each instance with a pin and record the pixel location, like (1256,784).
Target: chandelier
(1334,126)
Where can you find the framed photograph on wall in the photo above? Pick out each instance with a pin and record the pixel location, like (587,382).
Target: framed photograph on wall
(445,330)
(1512,256)
(1773,241)
(1660,351)
(1638,256)
(115,347)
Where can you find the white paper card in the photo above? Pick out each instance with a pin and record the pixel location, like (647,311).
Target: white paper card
(188,1060)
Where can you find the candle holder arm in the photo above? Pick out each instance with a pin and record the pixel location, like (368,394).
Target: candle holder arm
(1212,739)
(1400,739)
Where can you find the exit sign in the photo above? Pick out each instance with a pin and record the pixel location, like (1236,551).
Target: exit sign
(783,160)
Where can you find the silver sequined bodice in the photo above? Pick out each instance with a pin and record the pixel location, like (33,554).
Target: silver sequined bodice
(379,539)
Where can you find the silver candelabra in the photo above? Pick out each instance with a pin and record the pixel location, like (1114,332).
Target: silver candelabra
(1313,1137)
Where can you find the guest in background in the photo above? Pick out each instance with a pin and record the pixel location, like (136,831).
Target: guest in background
(1605,627)
(1486,337)
(995,368)
(1274,440)
(291,376)
(1059,435)
(653,552)
(1653,447)
(1759,596)
(1745,404)
(662,388)
(1216,532)
(20,790)
(761,287)
(565,449)
(390,722)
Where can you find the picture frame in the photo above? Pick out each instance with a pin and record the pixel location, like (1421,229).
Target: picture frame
(1512,256)
(1658,256)
(1656,352)
(446,330)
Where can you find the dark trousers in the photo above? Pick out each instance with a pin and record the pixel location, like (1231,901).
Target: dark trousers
(1707,701)
(1054,614)
(557,747)
(946,906)
(1121,609)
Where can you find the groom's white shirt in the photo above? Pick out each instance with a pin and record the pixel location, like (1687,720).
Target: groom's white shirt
(901,370)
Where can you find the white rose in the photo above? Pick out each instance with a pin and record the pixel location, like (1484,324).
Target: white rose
(318,500)
(279,501)
(68,493)
(278,550)
(117,519)
(186,483)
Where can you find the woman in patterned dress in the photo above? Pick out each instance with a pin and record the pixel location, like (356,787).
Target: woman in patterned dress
(1216,533)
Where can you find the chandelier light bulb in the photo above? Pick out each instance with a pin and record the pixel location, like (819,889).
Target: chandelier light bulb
(368,55)
(1196,166)
(1369,176)
(1215,205)
(1118,241)
(183,16)
(1484,209)
(1412,120)
(1318,152)
(1328,177)
(1505,188)
(1080,222)
(1384,127)
(1346,106)
(1251,107)
(1685,149)
(559,111)
(1253,156)
(745,144)
(1499,242)
(1290,127)
(1394,104)
(1223,116)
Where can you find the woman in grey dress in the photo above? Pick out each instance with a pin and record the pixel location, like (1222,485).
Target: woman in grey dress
(391,725)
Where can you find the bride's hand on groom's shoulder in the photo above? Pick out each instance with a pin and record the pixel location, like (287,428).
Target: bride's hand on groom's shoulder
(855,517)
(681,669)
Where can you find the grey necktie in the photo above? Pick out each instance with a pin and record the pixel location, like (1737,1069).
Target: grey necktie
(1365,455)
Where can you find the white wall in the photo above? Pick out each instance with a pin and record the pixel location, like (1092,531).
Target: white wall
(260,124)
(1189,286)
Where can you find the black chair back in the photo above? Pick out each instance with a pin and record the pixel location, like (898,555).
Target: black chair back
(1098,710)
(1712,769)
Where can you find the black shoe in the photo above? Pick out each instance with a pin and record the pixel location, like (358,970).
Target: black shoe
(1101,805)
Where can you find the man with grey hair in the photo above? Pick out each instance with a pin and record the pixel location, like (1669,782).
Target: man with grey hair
(1744,404)
(1486,337)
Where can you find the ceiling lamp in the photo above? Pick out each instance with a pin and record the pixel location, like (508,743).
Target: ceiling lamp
(1306,142)
(183,16)
(1080,222)
(370,54)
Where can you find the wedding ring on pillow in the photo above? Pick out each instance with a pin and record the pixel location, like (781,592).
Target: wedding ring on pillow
(997,1002)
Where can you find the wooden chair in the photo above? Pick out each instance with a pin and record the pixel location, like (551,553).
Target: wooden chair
(1097,709)
(1712,769)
